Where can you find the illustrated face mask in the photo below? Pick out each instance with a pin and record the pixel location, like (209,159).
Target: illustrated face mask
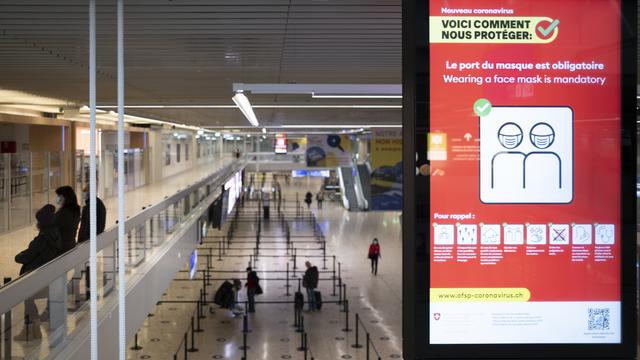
(542,142)
(510,141)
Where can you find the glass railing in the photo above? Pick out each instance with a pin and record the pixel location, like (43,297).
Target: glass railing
(42,309)
(266,157)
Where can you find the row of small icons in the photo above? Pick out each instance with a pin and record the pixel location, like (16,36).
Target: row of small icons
(515,234)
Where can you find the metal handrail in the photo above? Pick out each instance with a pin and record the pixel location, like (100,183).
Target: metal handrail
(29,284)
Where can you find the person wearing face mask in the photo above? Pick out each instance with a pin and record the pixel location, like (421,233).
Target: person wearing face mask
(42,249)
(101,217)
(67,217)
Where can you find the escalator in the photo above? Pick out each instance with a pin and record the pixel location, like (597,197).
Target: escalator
(347,188)
(365,183)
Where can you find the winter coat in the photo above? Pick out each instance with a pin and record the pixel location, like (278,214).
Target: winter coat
(42,249)
(374,251)
(66,220)
(252,280)
(101,220)
(310,278)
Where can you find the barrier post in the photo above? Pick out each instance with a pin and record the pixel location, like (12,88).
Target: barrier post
(344,294)
(193,337)
(357,345)
(305,346)
(324,257)
(287,286)
(204,281)
(135,346)
(203,302)
(219,250)
(301,331)
(198,317)
(296,316)
(368,342)
(346,318)
(299,285)
(295,256)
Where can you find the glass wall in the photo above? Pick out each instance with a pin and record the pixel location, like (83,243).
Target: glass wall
(27,182)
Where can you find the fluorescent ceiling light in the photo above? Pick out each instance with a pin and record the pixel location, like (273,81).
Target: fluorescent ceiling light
(245,106)
(354,96)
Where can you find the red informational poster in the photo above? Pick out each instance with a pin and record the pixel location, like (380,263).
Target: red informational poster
(280,144)
(524,150)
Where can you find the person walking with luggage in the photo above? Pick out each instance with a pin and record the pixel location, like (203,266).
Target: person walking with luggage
(320,199)
(42,249)
(374,255)
(253,286)
(310,283)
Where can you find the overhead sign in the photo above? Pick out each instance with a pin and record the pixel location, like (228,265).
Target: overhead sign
(328,150)
(524,149)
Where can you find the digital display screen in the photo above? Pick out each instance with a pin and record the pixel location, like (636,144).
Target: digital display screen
(311,173)
(233,189)
(193,264)
(281,144)
(524,150)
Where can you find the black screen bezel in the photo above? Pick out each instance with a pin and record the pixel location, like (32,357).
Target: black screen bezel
(416,206)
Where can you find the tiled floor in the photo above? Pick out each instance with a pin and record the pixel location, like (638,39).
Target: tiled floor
(377,299)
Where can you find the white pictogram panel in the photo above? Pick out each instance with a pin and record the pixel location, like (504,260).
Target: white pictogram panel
(526,155)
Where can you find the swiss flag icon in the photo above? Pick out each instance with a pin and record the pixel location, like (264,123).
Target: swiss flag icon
(436,316)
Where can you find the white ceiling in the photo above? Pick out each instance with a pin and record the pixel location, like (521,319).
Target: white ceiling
(182,52)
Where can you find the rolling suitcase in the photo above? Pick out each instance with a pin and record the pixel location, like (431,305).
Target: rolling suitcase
(318,296)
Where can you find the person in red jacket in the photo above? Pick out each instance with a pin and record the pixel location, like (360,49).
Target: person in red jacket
(374,255)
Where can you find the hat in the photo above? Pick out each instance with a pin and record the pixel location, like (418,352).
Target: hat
(45,215)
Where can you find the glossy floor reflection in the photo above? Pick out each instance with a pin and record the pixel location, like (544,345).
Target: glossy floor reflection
(377,299)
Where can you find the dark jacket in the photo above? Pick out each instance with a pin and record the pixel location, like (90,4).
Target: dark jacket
(310,278)
(252,280)
(42,249)
(66,220)
(101,220)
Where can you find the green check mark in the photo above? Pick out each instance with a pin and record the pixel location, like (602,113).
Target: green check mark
(482,107)
(545,32)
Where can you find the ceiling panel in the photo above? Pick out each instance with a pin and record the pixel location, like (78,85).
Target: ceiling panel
(191,51)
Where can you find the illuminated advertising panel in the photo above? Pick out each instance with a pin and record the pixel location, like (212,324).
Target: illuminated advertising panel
(525,212)
(281,144)
(231,189)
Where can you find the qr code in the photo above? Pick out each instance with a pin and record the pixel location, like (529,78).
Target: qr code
(598,319)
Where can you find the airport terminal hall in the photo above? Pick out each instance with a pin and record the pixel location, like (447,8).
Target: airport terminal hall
(319,179)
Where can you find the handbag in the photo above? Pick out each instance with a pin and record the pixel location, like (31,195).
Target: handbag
(259,290)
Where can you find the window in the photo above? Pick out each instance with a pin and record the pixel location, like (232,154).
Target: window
(186,152)
(167,155)
(177,153)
